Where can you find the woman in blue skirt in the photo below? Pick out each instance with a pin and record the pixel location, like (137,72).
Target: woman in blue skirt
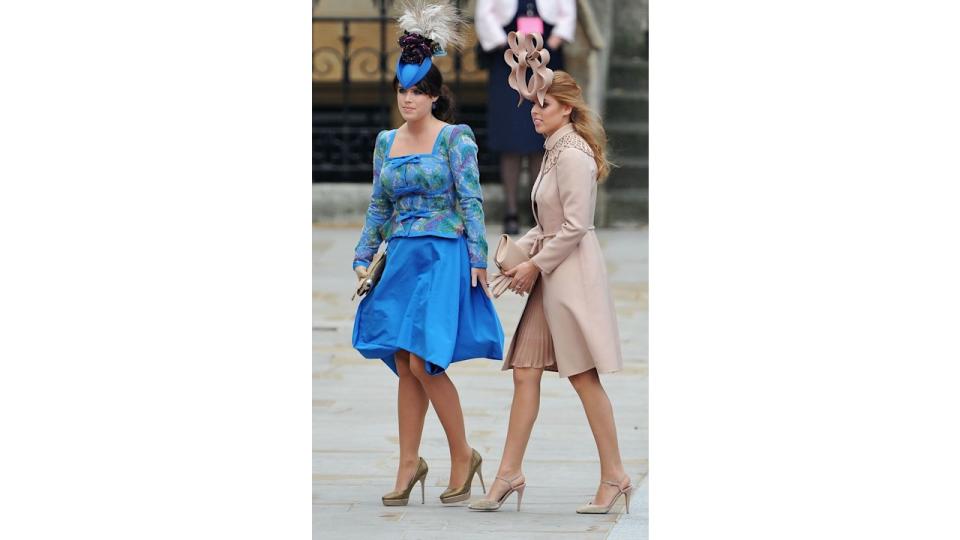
(431,306)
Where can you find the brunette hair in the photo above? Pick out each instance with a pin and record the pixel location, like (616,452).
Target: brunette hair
(432,85)
(566,91)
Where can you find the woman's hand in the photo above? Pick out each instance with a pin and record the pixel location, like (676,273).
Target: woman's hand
(554,42)
(479,275)
(361,272)
(524,276)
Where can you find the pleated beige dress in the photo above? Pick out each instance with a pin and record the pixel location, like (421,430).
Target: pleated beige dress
(532,344)
(569,324)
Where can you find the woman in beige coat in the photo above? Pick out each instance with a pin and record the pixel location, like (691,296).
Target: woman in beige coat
(569,324)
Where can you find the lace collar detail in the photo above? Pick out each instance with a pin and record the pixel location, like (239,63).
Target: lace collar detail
(570,139)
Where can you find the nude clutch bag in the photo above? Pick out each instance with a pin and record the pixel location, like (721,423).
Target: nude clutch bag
(374,271)
(509,253)
(507,256)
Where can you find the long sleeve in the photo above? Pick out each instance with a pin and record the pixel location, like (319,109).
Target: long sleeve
(466,177)
(576,180)
(565,25)
(489,29)
(378,212)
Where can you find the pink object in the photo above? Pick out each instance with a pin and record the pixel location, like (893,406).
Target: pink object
(528,25)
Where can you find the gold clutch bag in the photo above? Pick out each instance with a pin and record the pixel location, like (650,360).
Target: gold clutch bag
(507,256)
(374,271)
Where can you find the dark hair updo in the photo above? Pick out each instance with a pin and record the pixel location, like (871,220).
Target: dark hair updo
(432,85)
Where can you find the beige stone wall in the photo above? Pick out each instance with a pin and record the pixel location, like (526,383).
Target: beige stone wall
(363,8)
(344,8)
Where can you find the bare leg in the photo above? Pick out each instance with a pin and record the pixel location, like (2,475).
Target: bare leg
(446,402)
(411,411)
(533,169)
(600,416)
(510,172)
(533,166)
(523,414)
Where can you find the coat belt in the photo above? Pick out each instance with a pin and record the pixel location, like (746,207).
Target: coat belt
(541,236)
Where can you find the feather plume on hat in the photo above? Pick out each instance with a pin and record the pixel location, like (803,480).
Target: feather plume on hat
(429,29)
(439,22)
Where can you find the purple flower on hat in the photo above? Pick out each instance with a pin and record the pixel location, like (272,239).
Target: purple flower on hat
(415,48)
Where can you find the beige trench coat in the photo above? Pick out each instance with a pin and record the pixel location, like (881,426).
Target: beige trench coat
(576,295)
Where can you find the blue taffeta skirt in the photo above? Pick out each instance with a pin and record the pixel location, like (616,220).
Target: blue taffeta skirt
(424,304)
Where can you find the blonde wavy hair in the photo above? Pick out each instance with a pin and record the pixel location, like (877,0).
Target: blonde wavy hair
(586,122)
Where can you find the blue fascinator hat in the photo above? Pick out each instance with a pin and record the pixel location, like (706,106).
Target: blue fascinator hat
(411,74)
(428,28)
(415,58)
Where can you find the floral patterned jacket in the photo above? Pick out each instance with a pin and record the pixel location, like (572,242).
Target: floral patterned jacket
(435,194)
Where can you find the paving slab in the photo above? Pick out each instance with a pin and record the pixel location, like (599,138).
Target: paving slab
(355,427)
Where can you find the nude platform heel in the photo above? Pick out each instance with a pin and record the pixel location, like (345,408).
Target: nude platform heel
(462,493)
(400,498)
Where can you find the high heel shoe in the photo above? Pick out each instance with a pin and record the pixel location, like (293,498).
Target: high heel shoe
(400,498)
(485,505)
(462,493)
(591,508)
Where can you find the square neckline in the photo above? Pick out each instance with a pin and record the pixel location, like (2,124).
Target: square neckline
(433,151)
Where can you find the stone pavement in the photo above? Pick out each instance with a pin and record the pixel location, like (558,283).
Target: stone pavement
(355,426)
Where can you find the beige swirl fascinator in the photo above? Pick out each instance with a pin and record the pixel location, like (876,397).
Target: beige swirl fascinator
(526,50)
